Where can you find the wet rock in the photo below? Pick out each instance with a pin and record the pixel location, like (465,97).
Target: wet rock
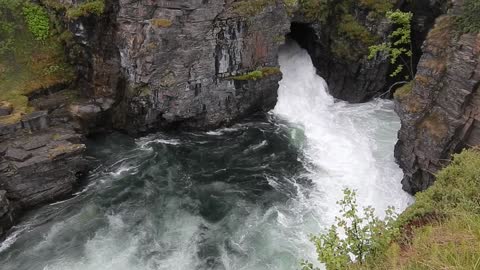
(441,114)
(41,166)
(6,213)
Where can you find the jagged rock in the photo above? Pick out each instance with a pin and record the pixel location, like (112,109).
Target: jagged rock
(42,166)
(6,213)
(441,114)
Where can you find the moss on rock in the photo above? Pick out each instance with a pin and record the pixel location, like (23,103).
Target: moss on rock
(257,74)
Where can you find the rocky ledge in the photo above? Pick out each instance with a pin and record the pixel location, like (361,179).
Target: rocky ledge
(39,163)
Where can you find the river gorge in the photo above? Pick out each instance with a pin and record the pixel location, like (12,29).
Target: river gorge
(243,197)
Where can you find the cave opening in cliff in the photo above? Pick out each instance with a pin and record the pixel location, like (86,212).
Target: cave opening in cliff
(304,35)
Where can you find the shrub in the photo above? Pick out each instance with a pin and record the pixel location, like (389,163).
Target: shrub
(37,20)
(399,46)
(441,230)
(469,21)
(365,235)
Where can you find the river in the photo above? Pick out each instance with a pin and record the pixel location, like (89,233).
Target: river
(244,197)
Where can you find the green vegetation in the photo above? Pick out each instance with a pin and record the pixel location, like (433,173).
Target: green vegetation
(164,23)
(34,58)
(37,20)
(257,74)
(349,39)
(365,235)
(251,7)
(399,45)
(90,7)
(469,21)
(7,26)
(404,91)
(441,230)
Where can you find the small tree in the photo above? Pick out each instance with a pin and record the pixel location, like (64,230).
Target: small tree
(363,235)
(398,48)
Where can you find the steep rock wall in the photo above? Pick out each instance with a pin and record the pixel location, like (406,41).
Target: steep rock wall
(441,113)
(175,63)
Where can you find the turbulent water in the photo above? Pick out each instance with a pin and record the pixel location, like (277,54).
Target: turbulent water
(245,197)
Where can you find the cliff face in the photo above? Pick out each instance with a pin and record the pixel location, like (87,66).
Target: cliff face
(440,114)
(180,64)
(147,65)
(355,79)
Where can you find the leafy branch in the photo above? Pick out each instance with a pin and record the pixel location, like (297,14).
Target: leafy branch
(398,48)
(354,236)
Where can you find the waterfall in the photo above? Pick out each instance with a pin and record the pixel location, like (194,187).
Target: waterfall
(351,145)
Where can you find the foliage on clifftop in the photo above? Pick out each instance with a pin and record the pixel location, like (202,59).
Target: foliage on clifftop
(350,38)
(75,11)
(32,57)
(441,230)
(469,21)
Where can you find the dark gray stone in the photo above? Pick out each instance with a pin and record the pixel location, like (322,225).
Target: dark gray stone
(36,120)
(16,154)
(6,213)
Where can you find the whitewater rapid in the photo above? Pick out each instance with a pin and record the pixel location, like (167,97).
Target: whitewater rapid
(350,145)
(246,197)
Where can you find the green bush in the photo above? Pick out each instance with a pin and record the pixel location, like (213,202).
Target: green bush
(469,21)
(365,235)
(399,45)
(37,20)
(441,230)
(349,38)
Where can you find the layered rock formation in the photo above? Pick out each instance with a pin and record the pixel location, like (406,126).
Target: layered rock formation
(160,64)
(440,114)
(178,63)
(39,163)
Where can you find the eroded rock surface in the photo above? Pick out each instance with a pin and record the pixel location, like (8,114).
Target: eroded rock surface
(40,167)
(441,114)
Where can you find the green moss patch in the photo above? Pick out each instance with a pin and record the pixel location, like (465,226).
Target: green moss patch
(162,23)
(257,74)
(403,91)
(251,7)
(90,7)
